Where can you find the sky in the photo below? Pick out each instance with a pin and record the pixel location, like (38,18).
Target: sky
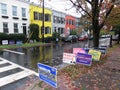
(60,5)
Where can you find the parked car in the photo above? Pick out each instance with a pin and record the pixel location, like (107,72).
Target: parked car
(90,37)
(83,37)
(70,38)
(105,36)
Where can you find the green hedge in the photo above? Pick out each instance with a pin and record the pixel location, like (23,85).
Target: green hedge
(14,37)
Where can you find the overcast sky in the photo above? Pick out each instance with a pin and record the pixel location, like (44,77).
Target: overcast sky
(60,5)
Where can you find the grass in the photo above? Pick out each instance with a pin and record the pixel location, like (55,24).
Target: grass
(21,46)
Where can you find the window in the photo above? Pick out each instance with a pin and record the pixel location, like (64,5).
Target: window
(58,20)
(37,16)
(54,19)
(62,29)
(14,10)
(4,9)
(23,12)
(47,17)
(47,30)
(5,27)
(40,16)
(67,21)
(58,30)
(55,29)
(15,27)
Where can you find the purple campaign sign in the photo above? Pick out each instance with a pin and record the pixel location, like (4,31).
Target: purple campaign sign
(85,59)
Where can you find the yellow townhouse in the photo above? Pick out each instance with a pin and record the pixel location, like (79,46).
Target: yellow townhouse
(36,18)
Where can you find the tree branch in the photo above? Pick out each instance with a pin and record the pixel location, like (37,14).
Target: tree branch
(79,6)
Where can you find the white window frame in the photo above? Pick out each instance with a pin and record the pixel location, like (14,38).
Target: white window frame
(14,10)
(15,27)
(23,12)
(3,9)
(5,27)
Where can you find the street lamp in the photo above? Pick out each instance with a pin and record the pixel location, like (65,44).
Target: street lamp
(43,14)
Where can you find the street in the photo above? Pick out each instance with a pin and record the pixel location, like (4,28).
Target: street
(18,62)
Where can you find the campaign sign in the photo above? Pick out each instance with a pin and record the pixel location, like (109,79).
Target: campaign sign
(48,74)
(78,50)
(102,50)
(95,54)
(69,58)
(31,41)
(11,42)
(19,42)
(4,42)
(85,59)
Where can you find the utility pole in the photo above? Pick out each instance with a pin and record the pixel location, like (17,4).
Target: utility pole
(43,17)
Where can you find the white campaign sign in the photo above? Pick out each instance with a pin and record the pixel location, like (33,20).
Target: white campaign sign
(69,58)
(4,42)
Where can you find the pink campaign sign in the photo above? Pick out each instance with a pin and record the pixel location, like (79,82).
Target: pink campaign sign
(78,50)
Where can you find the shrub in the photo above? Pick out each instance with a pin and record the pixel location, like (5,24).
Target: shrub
(55,35)
(48,39)
(34,32)
(16,37)
(3,36)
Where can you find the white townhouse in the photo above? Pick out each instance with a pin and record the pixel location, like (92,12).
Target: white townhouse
(58,21)
(14,16)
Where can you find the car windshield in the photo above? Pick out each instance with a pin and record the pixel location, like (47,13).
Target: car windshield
(69,37)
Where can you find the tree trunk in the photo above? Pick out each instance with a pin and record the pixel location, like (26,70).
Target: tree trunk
(95,23)
(96,33)
(118,38)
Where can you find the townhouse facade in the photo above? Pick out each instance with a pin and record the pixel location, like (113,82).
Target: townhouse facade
(58,21)
(70,24)
(14,16)
(17,15)
(36,18)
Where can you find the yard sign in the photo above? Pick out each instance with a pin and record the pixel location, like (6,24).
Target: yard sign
(48,74)
(69,58)
(85,59)
(95,54)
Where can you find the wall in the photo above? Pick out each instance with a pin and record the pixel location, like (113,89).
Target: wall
(58,25)
(34,8)
(10,20)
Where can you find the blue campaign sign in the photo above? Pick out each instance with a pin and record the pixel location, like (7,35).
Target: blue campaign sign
(103,50)
(83,58)
(48,74)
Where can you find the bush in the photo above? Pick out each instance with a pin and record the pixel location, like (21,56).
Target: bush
(3,36)
(73,32)
(34,32)
(16,37)
(48,39)
(55,35)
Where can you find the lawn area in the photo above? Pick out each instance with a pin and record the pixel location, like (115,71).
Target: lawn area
(21,45)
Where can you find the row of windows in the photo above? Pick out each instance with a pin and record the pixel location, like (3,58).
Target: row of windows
(38,16)
(14,10)
(59,30)
(70,22)
(58,20)
(5,27)
(15,25)
(47,30)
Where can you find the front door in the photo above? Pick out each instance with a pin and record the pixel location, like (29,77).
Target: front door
(24,30)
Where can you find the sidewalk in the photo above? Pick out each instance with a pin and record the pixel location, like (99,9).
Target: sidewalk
(102,77)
